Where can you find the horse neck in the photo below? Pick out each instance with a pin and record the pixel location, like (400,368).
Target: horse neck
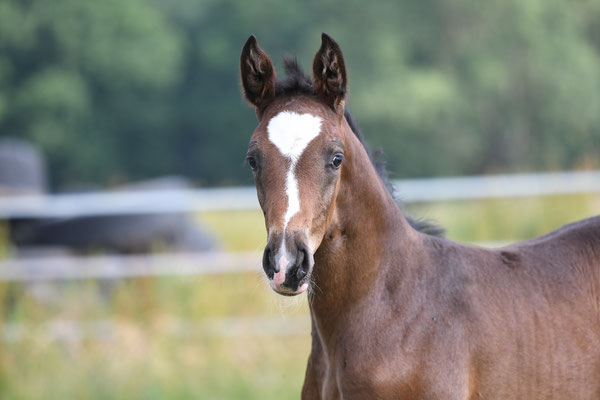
(367,228)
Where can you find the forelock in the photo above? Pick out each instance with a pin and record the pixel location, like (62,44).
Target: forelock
(296,81)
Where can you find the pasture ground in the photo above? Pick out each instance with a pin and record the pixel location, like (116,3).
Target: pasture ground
(202,337)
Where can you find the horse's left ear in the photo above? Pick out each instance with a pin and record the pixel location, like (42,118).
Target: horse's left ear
(258,75)
(329,73)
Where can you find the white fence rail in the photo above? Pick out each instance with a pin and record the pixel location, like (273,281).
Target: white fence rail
(239,198)
(69,267)
(55,268)
(149,202)
(498,186)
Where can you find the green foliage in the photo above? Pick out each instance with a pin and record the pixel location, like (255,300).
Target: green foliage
(150,338)
(117,90)
(78,77)
(4,243)
(507,220)
(202,337)
(237,230)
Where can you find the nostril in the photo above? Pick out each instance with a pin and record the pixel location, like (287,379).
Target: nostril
(308,260)
(300,257)
(303,262)
(304,259)
(269,265)
(300,273)
(274,264)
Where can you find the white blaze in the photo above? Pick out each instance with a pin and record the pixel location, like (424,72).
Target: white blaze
(291,133)
(291,190)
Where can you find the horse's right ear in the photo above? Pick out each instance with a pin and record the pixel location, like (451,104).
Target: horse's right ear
(258,75)
(329,73)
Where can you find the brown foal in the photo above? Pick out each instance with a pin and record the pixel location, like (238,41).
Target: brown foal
(397,313)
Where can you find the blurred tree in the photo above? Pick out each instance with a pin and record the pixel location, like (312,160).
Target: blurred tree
(472,88)
(123,90)
(86,82)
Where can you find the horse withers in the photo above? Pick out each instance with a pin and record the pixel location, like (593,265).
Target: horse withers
(398,313)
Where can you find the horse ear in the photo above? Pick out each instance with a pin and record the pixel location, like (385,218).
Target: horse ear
(329,72)
(258,74)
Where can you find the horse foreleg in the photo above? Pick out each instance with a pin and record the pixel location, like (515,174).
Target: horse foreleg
(313,380)
(316,368)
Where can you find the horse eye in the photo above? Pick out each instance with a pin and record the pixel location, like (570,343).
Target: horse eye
(336,161)
(251,162)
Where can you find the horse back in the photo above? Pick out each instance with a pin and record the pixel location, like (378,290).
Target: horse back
(565,260)
(537,316)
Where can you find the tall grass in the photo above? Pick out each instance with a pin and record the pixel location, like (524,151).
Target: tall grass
(202,337)
(4,240)
(508,219)
(150,338)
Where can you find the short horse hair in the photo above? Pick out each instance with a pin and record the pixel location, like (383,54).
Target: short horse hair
(296,82)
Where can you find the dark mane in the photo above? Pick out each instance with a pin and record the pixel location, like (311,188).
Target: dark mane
(297,82)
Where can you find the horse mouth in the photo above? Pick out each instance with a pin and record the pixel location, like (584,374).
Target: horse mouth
(285,291)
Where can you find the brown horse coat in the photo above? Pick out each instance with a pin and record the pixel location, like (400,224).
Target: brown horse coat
(399,314)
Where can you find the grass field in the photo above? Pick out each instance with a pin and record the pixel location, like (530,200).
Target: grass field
(203,337)
(151,338)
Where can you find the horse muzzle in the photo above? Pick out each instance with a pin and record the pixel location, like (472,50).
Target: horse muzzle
(288,263)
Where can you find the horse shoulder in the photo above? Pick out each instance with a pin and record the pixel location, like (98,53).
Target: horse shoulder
(399,353)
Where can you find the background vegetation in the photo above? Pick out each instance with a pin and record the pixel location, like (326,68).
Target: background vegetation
(115,91)
(203,337)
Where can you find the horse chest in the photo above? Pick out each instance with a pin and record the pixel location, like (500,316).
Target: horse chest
(389,380)
(373,364)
